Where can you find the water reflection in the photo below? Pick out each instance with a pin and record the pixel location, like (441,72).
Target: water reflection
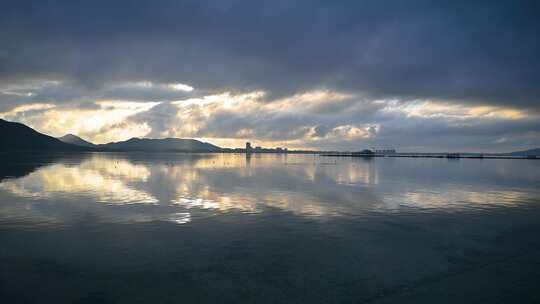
(94,178)
(179,187)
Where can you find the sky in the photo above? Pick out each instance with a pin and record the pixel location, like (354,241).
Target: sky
(335,75)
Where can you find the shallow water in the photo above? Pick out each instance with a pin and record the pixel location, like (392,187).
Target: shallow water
(223,228)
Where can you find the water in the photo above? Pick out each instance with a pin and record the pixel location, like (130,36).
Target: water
(223,228)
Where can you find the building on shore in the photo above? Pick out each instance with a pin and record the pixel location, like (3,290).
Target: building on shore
(250,149)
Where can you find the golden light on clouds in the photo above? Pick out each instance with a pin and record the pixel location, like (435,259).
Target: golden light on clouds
(107,122)
(193,114)
(310,100)
(228,119)
(223,100)
(145,84)
(180,87)
(352,132)
(434,109)
(26,108)
(252,101)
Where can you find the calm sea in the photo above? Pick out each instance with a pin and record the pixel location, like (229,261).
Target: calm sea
(226,228)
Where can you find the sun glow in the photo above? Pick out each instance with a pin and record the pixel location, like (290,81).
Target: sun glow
(180,87)
(108,122)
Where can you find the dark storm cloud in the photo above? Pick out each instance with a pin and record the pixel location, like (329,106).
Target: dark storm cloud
(160,118)
(74,53)
(481,51)
(436,134)
(9,101)
(321,130)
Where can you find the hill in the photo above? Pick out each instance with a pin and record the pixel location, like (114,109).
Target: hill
(76,140)
(156,145)
(16,137)
(19,137)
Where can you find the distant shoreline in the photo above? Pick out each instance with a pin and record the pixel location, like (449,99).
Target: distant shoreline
(420,155)
(320,153)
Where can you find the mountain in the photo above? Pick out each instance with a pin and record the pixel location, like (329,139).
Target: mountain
(165,144)
(18,137)
(76,140)
(535,152)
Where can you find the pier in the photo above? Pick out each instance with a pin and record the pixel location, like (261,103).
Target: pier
(428,155)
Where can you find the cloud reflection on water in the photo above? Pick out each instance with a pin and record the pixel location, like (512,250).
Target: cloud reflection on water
(172,187)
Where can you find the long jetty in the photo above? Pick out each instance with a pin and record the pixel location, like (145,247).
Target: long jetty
(428,155)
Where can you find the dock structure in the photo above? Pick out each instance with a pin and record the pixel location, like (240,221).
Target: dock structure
(428,155)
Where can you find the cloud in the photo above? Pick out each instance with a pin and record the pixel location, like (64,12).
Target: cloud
(109,121)
(28,108)
(307,73)
(385,48)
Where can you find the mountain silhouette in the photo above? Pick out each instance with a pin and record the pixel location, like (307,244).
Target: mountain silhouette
(76,140)
(19,137)
(165,144)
